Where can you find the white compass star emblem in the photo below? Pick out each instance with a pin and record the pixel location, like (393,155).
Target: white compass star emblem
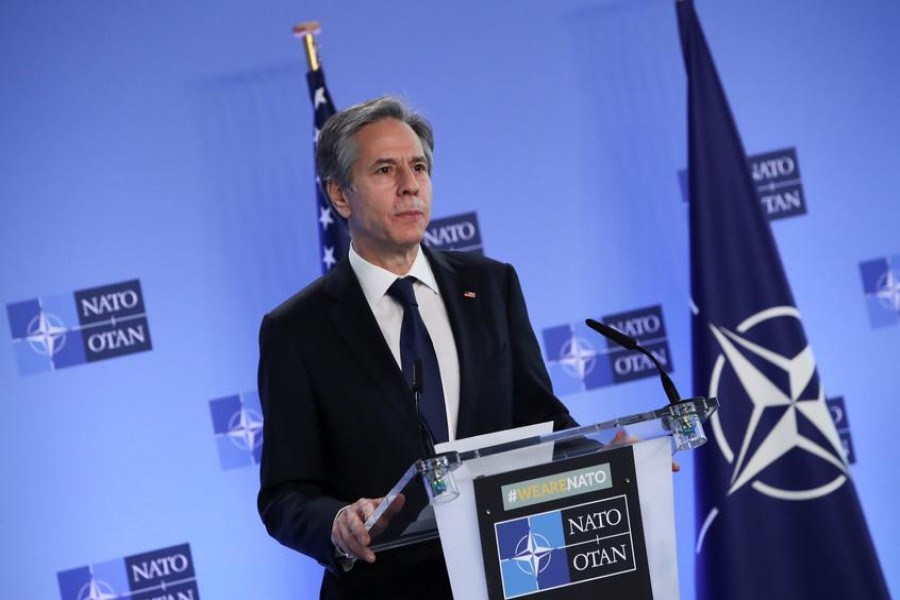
(577,357)
(245,429)
(889,290)
(764,394)
(535,555)
(96,590)
(46,334)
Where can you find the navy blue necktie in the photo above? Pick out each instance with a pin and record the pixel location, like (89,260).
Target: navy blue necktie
(415,343)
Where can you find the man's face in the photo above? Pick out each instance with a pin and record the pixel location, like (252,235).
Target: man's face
(390,203)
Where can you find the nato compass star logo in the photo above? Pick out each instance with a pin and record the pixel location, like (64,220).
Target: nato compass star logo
(96,590)
(245,429)
(577,357)
(573,362)
(576,364)
(238,427)
(46,334)
(533,553)
(787,418)
(88,325)
(889,290)
(95,582)
(881,284)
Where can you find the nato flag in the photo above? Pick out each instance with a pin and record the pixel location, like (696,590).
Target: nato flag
(777,513)
(334,237)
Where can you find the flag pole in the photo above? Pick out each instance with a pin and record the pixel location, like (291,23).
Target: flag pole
(307,30)
(334,238)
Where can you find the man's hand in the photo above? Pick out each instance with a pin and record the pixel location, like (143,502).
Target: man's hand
(348,533)
(623,439)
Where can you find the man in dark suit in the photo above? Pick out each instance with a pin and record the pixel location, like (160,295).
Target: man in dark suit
(340,421)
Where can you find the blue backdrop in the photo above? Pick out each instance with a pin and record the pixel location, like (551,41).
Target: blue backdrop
(170,143)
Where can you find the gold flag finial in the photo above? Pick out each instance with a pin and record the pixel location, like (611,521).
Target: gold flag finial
(307,30)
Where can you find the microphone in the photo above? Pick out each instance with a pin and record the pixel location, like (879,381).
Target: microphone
(629,343)
(424,431)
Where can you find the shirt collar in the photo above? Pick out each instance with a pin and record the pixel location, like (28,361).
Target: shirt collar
(375,280)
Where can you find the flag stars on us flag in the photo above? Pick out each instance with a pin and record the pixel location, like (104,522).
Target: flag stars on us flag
(328,257)
(334,240)
(318,97)
(325,217)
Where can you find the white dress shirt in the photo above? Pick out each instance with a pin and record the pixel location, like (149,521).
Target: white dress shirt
(375,282)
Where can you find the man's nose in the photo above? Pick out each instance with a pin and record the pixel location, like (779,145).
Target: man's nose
(408,183)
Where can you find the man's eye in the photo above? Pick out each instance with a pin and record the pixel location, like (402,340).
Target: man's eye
(421,168)
(384,170)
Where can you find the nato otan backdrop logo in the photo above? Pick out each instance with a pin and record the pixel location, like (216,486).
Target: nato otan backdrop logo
(838,410)
(166,574)
(881,285)
(778,185)
(459,232)
(237,426)
(54,332)
(579,359)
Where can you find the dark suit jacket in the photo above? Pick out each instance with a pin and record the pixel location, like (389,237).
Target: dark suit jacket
(339,420)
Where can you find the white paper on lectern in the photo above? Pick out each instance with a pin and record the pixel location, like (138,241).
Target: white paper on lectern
(653,466)
(458,521)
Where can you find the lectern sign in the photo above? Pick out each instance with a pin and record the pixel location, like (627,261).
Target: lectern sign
(568,529)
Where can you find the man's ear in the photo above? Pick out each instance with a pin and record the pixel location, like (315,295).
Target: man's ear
(338,198)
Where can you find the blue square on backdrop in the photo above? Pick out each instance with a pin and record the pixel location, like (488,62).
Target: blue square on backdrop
(556,572)
(872,271)
(550,526)
(563,383)
(72,351)
(555,338)
(113,574)
(879,314)
(222,409)
(230,455)
(601,375)
(72,581)
(515,581)
(63,307)
(28,361)
(251,400)
(508,536)
(894,261)
(20,315)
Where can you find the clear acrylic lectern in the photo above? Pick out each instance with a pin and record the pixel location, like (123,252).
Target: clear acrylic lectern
(430,481)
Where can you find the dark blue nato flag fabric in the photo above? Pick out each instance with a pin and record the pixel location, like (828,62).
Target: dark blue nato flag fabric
(777,513)
(334,237)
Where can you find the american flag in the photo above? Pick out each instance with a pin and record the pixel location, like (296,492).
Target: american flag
(334,239)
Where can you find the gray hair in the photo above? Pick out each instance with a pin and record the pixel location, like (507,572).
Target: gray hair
(337,149)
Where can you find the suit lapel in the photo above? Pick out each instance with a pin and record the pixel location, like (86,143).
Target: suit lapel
(356,325)
(463,312)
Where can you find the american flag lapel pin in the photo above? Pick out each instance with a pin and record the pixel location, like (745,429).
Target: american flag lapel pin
(468,294)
